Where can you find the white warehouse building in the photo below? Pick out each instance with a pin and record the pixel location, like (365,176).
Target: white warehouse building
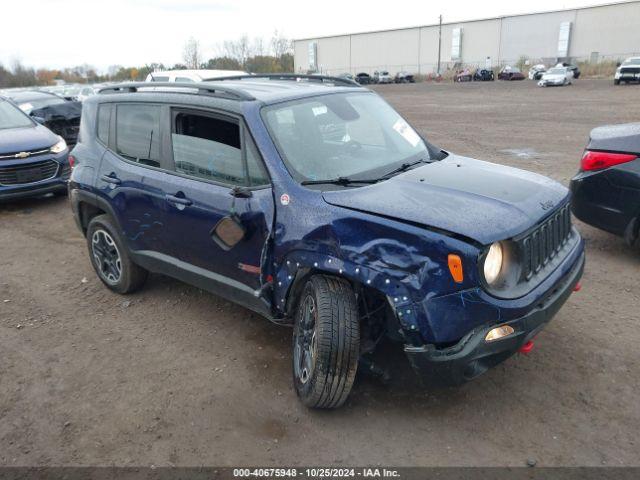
(597,33)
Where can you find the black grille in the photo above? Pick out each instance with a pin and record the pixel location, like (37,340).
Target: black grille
(630,70)
(30,173)
(541,245)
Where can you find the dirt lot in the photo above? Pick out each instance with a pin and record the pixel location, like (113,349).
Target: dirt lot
(175,376)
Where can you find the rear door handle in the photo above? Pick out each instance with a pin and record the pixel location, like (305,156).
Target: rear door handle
(178,200)
(113,180)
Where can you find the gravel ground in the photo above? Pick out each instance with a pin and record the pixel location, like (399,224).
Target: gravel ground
(175,376)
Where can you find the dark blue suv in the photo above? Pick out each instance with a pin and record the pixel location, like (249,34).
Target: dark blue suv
(311,201)
(33,159)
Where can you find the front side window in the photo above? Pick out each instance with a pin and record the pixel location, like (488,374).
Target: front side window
(11,117)
(354,135)
(138,133)
(208,148)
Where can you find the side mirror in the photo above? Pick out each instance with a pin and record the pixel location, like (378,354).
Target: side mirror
(228,232)
(618,64)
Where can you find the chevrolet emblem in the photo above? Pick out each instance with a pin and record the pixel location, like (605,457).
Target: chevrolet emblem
(22,155)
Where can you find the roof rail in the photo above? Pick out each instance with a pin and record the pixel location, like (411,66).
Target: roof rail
(291,76)
(201,89)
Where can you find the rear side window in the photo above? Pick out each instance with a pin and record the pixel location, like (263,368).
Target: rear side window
(138,133)
(184,79)
(155,78)
(208,148)
(104,119)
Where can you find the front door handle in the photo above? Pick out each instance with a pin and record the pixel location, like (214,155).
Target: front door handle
(112,179)
(178,200)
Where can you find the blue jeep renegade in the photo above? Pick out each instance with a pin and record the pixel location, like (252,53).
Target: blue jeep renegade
(309,200)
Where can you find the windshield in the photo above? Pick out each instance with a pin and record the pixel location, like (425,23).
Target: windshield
(632,61)
(342,135)
(557,71)
(11,117)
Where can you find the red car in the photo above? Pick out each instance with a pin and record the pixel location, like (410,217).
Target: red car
(510,73)
(463,76)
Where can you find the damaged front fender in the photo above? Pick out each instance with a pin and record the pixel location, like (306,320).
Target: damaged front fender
(407,264)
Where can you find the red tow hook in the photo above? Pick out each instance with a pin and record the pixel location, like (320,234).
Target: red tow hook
(526,348)
(578,287)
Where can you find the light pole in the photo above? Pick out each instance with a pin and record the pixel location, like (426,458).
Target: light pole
(439,43)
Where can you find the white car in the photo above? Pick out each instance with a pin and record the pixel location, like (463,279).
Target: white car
(629,71)
(86,92)
(188,76)
(382,77)
(536,72)
(556,76)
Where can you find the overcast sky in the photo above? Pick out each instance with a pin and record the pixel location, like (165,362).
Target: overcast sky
(59,33)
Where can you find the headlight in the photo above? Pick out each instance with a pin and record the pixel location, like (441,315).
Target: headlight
(59,147)
(493,263)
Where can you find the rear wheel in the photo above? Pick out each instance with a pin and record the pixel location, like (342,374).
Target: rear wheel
(326,342)
(110,258)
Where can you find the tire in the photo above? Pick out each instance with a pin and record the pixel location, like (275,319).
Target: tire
(616,82)
(326,342)
(110,258)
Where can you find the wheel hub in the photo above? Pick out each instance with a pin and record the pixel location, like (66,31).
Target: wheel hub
(304,353)
(106,256)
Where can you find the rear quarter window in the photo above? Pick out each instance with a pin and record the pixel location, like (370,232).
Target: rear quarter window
(104,119)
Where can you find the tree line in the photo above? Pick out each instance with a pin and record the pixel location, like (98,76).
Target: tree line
(251,55)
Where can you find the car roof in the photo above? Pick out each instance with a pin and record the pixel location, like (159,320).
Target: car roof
(265,90)
(273,91)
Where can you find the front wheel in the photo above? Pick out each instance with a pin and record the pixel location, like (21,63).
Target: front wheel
(326,342)
(616,82)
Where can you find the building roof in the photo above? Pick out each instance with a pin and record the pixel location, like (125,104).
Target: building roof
(586,7)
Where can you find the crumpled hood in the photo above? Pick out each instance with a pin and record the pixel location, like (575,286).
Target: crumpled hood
(13,140)
(479,200)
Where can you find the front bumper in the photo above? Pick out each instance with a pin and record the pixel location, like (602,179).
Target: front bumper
(57,183)
(472,356)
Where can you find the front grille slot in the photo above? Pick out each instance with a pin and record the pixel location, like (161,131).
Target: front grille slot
(630,70)
(29,173)
(541,246)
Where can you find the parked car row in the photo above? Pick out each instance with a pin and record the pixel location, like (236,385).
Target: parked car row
(479,75)
(382,76)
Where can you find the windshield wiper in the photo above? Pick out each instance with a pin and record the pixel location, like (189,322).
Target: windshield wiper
(339,181)
(350,181)
(402,168)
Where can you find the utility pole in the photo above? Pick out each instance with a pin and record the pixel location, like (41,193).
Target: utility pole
(439,43)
